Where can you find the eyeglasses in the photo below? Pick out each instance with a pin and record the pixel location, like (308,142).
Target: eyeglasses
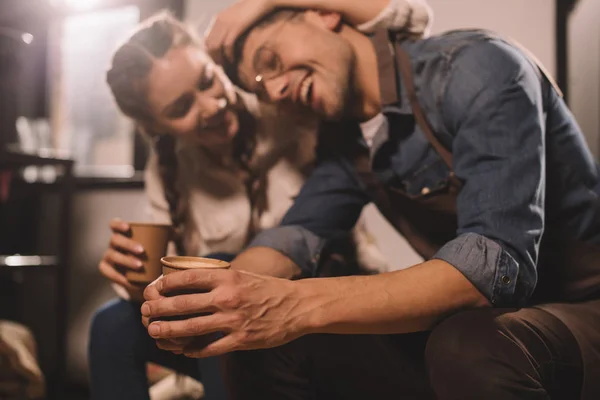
(267,62)
(266,65)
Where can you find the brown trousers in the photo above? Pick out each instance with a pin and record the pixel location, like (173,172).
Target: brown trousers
(480,354)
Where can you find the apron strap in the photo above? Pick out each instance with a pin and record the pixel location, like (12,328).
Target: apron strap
(394,60)
(394,67)
(391,212)
(408,81)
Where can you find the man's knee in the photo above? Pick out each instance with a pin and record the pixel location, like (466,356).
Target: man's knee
(267,361)
(281,372)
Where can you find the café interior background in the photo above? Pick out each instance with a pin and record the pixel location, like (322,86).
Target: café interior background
(53,78)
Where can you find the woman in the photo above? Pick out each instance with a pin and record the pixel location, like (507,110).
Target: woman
(222,168)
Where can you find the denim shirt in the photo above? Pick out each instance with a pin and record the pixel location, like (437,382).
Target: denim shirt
(526,170)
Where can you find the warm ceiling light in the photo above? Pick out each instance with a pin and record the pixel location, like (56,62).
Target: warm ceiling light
(27,38)
(76,4)
(17,35)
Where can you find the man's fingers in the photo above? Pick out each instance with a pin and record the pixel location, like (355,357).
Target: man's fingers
(196,326)
(178,305)
(196,279)
(219,347)
(170,345)
(151,292)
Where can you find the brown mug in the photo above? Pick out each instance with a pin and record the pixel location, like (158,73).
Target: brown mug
(155,239)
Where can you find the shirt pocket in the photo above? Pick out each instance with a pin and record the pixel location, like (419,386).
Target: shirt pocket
(432,178)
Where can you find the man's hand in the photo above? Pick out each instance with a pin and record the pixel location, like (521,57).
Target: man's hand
(151,293)
(252,311)
(257,312)
(174,345)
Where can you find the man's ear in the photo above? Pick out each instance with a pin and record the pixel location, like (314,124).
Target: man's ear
(331,20)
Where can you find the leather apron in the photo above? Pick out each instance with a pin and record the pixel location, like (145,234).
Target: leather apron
(569,273)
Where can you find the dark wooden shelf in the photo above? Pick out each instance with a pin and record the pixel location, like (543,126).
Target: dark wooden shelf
(16,159)
(57,264)
(23,262)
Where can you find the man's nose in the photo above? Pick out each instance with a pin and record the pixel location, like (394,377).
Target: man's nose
(278,88)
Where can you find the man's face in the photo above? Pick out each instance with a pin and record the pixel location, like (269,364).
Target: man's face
(301,62)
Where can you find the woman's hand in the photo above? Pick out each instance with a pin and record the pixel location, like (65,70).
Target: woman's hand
(122,254)
(229,24)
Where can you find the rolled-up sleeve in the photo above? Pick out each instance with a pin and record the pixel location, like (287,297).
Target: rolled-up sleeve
(299,244)
(493,101)
(487,265)
(327,208)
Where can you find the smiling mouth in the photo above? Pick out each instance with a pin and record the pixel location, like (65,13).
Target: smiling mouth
(306,91)
(216,121)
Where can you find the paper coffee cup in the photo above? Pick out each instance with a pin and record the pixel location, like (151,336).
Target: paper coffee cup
(172,264)
(155,239)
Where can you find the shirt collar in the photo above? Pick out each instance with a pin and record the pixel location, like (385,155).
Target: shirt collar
(375,130)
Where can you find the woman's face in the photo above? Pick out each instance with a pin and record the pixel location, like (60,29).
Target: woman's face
(189,96)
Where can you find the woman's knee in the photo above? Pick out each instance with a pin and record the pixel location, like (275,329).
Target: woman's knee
(113,324)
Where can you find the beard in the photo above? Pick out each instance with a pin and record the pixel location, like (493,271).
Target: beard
(344,93)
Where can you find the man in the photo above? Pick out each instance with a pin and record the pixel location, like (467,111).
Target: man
(480,165)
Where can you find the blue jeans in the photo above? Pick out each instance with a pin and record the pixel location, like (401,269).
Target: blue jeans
(120,347)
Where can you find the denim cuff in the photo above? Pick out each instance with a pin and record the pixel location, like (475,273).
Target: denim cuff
(490,268)
(297,243)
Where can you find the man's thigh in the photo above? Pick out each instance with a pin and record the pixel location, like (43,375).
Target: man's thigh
(541,344)
(334,367)
(504,354)
(583,320)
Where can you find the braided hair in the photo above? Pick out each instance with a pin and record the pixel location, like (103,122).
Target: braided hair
(131,64)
